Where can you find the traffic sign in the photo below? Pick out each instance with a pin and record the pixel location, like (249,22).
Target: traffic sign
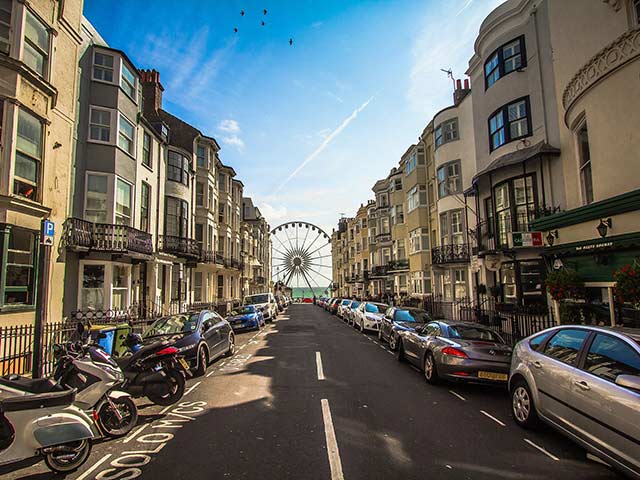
(48,229)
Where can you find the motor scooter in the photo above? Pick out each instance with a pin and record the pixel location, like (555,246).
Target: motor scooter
(38,419)
(97,378)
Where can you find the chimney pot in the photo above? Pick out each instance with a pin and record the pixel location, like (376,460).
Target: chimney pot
(458,84)
(466,84)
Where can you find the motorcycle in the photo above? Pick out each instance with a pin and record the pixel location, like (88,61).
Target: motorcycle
(48,425)
(96,377)
(154,371)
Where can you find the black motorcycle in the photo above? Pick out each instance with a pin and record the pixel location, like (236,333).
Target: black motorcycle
(155,371)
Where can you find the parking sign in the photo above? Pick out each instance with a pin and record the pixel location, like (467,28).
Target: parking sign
(48,229)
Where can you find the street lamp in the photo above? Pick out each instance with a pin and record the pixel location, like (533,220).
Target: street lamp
(551,237)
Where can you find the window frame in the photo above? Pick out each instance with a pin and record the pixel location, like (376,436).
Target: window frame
(29,156)
(134,87)
(501,60)
(147,150)
(513,206)
(503,111)
(580,352)
(101,125)
(132,152)
(445,127)
(447,176)
(184,168)
(5,238)
(100,66)
(587,347)
(46,62)
(145,220)
(109,194)
(586,194)
(108,285)
(6,41)
(182,222)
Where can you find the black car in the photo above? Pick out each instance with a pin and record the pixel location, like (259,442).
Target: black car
(397,319)
(200,337)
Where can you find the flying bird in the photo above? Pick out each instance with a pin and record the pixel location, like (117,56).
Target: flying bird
(235,30)
(263,24)
(264,11)
(242,13)
(291,41)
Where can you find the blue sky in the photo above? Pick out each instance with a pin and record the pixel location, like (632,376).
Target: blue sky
(310,127)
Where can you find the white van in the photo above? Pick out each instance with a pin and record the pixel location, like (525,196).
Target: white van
(264,301)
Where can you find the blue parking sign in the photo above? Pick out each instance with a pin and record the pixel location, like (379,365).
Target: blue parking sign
(48,228)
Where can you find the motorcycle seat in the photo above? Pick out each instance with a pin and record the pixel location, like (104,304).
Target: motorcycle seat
(62,398)
(123,362)
(31,385)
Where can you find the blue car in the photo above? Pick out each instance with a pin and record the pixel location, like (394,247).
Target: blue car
(398,319)
(246,317)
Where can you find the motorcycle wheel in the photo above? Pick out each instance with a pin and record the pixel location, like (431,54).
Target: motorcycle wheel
(178,382)
(108,421)
(69,459)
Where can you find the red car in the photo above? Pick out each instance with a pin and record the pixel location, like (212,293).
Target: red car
(307,300)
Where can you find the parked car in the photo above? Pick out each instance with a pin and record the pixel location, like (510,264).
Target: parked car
(333,306)
(369,315)
(461,351)
(200,337)
(397,319)
(584,382)
(246,317)
(351,311)
(327,303)
(264,301)
(342,306)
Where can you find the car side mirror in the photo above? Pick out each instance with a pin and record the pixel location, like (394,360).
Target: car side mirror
(629,381)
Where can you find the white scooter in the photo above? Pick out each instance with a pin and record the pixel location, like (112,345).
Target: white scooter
(96,376)
(37,419)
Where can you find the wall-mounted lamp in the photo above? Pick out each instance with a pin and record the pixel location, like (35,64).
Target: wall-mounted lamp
(551,237)
(604,225)
(57,145)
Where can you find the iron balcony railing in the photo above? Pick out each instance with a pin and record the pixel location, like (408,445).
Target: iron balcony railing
(81,234)
(396,265)
(383,237)
(207,256)
(379,271)
(179,246)
(219,258)
(452,253)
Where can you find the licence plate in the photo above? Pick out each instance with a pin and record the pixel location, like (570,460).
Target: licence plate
(184,363)
(503,377)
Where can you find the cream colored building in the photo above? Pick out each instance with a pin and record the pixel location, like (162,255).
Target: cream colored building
(255,250)
(398,266)
(39,53)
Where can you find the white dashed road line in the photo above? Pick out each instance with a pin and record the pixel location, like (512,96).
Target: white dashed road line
(492,418)
(457,395)
(319,366)
(134,434)
(335,464)
(94,467)
(191,388)
(550,455)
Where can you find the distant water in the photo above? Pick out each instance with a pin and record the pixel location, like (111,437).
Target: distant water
(299,292)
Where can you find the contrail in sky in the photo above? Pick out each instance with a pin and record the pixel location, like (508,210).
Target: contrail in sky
(325,143)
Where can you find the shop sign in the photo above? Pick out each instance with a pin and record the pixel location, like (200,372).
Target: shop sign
(594,246)
(526,239)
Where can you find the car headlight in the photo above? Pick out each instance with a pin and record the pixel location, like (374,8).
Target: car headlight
(186,348)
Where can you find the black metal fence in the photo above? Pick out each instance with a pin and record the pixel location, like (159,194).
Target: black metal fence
(512,322)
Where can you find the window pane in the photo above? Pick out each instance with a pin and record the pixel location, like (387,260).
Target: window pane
(96,209)
(517,110)
(92,296)
(123,203)
(29,138)
(128,80)
(609,357)
(519,128)
(36,32)
(26,168)
(565,345)
(33,58)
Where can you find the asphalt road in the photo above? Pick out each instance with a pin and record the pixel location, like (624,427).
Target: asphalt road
(309,397)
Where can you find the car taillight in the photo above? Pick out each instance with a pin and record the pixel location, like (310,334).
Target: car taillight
(454,352)
(167,351)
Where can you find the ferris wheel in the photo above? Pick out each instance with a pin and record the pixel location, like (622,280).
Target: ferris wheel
(301,257)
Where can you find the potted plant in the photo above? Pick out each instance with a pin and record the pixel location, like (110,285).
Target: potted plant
(627,288)
(565,283)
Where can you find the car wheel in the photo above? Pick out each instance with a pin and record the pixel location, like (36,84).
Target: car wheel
(430,369)
(522,406)
(393,342)
(232,346)
(401,357)
(203,361)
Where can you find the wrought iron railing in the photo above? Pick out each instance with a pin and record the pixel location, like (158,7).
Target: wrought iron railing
(379,271)
(452,253)
(207,256)
(400,264)
(105,237)
(180,246)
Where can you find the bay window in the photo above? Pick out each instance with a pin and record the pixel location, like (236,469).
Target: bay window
(127,80)
(36,44)
(515,201)
(449,179)
(451,228)
(507,58)
(18,255)
(5,26)
(178,168)
(126,134)
(446,132)
(418,240)
(123,203)
(96,200)
(102,67)
(416,197)
(199,194)
(176,217)
(201,156)
(510,122)
(28,156)
(100,124)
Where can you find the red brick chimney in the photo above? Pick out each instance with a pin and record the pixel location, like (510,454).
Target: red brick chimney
(151,90)
(459,93)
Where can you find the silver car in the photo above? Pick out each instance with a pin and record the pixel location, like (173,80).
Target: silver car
(585,382)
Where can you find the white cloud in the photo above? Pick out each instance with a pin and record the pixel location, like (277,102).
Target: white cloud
(325,143)
(271,213)
(229,126)
(234,141)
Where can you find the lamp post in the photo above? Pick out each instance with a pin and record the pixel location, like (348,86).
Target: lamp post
(604,225)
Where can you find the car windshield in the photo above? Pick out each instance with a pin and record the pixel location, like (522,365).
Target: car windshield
(346,302)
(254,299)
(355,304)
(173,324)
(412,316)
(465,332)
(243,310)
(376,307)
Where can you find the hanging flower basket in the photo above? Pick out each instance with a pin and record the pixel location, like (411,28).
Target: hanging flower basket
(564,284)
(627,289)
